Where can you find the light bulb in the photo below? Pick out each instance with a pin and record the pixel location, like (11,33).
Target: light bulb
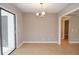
(43,13)
(37,14)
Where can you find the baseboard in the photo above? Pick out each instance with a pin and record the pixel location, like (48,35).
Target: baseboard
(73,42)
(39,41)
(36,42)
(20,45)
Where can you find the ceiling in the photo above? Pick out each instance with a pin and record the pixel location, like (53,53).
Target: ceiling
(36,7)
(75,13)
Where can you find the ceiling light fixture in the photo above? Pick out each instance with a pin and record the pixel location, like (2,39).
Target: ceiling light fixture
(42,12)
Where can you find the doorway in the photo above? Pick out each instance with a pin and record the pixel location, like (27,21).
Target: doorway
(64,30)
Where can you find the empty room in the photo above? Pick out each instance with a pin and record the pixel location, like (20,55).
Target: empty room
(39,29)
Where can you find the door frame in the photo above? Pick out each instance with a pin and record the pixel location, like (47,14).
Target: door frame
(1,29)
(59,23)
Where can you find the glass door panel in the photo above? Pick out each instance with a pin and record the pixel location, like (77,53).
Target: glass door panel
(8,32)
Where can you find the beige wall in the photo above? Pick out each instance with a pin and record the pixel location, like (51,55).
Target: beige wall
(40,29)
(19,29)
(74,29)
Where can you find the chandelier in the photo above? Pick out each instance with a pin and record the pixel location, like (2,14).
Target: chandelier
(42,12)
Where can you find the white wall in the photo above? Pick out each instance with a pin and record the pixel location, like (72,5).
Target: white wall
(40,29)
(74,29)
(19,29)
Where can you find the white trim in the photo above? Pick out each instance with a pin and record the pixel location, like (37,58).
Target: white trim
(73,42)
(59,38)
(39,41)
(20,45)
(36,42)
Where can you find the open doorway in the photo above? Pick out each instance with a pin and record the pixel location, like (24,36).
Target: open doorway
(64,30)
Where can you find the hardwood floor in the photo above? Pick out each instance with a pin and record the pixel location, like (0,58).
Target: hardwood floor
(64,43)
(47,49)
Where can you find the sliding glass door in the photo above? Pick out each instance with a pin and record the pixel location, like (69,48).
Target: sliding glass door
(7,32)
